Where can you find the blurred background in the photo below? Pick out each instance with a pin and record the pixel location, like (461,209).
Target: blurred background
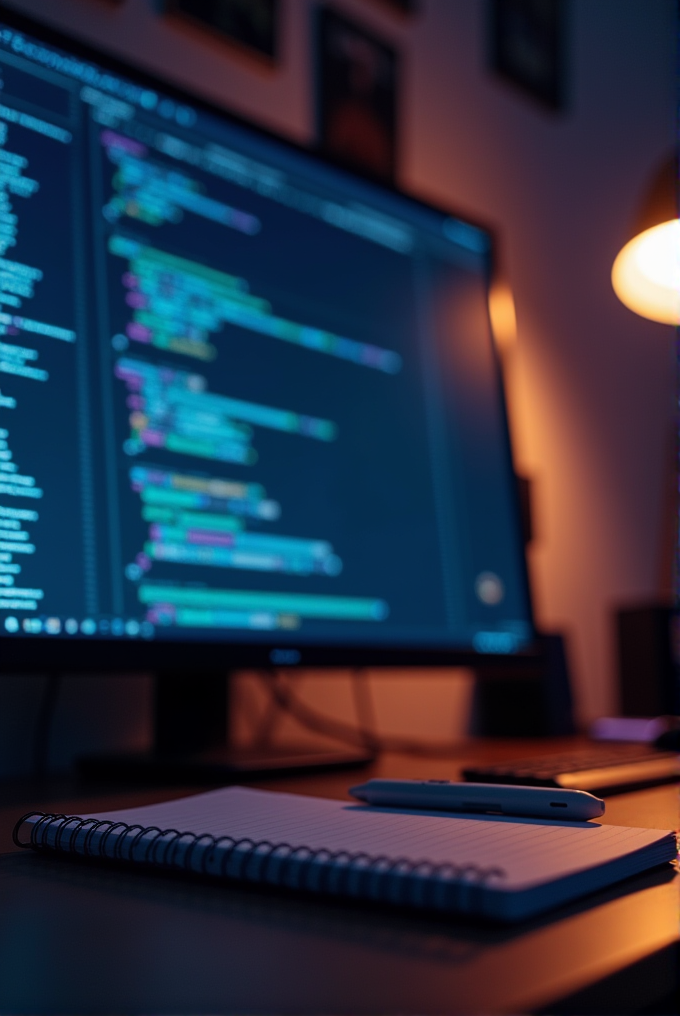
(558,164)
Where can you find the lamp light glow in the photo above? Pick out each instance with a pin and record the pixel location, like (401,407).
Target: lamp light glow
(502,314)
(646,273)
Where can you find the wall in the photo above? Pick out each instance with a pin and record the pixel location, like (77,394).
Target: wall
(591,387)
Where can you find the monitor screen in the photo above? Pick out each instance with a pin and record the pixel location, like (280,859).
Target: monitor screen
(247,399)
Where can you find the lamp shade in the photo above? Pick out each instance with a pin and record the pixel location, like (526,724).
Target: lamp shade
(646,272)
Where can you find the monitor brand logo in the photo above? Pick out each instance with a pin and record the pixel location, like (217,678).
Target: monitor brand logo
(285,657)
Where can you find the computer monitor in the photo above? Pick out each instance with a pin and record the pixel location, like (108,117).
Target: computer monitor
(250,407)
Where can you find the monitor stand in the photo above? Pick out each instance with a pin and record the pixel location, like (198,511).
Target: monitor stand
(191,742)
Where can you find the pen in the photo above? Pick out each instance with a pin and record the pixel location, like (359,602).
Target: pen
(482,798)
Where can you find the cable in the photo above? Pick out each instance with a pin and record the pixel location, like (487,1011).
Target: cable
(365,709)
(43,725)
(264,733)
(363,736)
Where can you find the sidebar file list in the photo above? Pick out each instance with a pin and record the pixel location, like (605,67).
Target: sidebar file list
(41,513)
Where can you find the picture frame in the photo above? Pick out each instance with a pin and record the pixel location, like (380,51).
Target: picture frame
(401,7)
(251,25)
(357,88)
(527,48)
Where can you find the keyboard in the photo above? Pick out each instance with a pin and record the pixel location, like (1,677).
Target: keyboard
(600,767)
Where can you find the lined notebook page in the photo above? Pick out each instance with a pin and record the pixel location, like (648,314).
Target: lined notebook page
(531,851)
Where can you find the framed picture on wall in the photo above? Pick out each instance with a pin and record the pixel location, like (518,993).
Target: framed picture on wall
(401,6)
(357,79)
(527,47)
(250,24)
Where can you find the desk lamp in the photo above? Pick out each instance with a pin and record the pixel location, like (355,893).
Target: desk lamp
(646,278)
(646,272)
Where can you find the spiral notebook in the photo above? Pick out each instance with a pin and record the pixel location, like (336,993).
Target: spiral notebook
(506,869)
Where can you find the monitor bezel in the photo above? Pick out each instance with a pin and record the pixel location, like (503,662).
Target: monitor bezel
(26,653)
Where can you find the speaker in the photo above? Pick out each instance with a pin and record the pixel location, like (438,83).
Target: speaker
(648,660)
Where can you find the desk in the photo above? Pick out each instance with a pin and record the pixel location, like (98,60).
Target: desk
(78,938)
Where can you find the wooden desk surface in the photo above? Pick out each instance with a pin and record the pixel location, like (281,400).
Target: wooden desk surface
(79,938)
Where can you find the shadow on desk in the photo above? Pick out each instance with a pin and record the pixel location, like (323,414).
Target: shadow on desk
(78,937)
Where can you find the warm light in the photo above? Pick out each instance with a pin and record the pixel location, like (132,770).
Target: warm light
(502,314)
(646,273)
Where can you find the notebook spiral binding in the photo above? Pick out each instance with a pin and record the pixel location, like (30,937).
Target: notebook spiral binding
(340,873)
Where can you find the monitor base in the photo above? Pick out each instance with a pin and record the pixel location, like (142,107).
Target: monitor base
(217,766)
